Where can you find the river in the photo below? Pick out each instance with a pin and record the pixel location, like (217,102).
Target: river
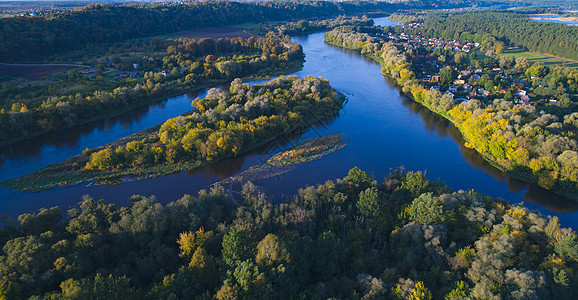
(554,19)
(385,130)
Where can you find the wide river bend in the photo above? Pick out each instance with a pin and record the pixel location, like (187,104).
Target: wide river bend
(386,130)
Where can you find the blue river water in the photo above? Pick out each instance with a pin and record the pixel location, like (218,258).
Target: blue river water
(385,130)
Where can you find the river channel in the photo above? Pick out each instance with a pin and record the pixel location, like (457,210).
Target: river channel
(385,130)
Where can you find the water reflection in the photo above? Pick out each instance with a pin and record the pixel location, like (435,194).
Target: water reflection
(30,155)
(534,194)
(386,130)
(228,167)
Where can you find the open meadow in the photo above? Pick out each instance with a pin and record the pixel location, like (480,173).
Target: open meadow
(33,71)
(547,60)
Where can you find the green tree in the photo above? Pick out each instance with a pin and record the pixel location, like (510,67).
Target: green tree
(271,250)
(370,203)
(461,291)
(359,178)
(447,75)
(204,268)
(426,209)
(237,247)
(95,217)
(416,183)
(189,241)
(246,274)
(420,292)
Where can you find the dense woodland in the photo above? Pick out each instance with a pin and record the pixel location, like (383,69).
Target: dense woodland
(23,38)
(166,67)
(514,29)
(407,238)
(303,27)
(227,123)
(536,142)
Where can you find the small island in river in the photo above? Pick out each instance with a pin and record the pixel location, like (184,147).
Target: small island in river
(288,160)
(308,150)
(224,124)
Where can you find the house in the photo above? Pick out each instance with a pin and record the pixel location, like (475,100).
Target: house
(166,73)
(476,77)
(453,89)
(525,100)
(125,74)
(466,72)
(87,71)
(478,71)
(450,94)
(435,88)
(484,92)
(459,82)
(135,66)
(467,87)
(520,92)
(466,48)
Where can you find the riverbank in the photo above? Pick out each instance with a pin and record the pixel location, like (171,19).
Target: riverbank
(289,159)
(309,150)
(90,166)
(412,90)
(291,67)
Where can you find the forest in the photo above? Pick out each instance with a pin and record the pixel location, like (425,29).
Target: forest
(354,238)
(167,67)
(284,30)
(25,38)
(532,141)
(226,123)
(514,29)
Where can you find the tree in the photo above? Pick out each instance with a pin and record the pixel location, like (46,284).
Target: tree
(204,268)
(45,220)
(246,274)
(359,178)
(416,183)
(237,247)
(447,75)
(370,203)
(461,291)
(189,241)
(460,57)
(271,250)
(228,291)
(5,289)
(95,217)
(522,64)
(426,209)
(420,292)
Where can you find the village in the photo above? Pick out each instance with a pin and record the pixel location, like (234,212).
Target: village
(472,70)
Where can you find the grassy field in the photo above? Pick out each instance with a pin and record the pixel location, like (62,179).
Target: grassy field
(33,71)
(544,59)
